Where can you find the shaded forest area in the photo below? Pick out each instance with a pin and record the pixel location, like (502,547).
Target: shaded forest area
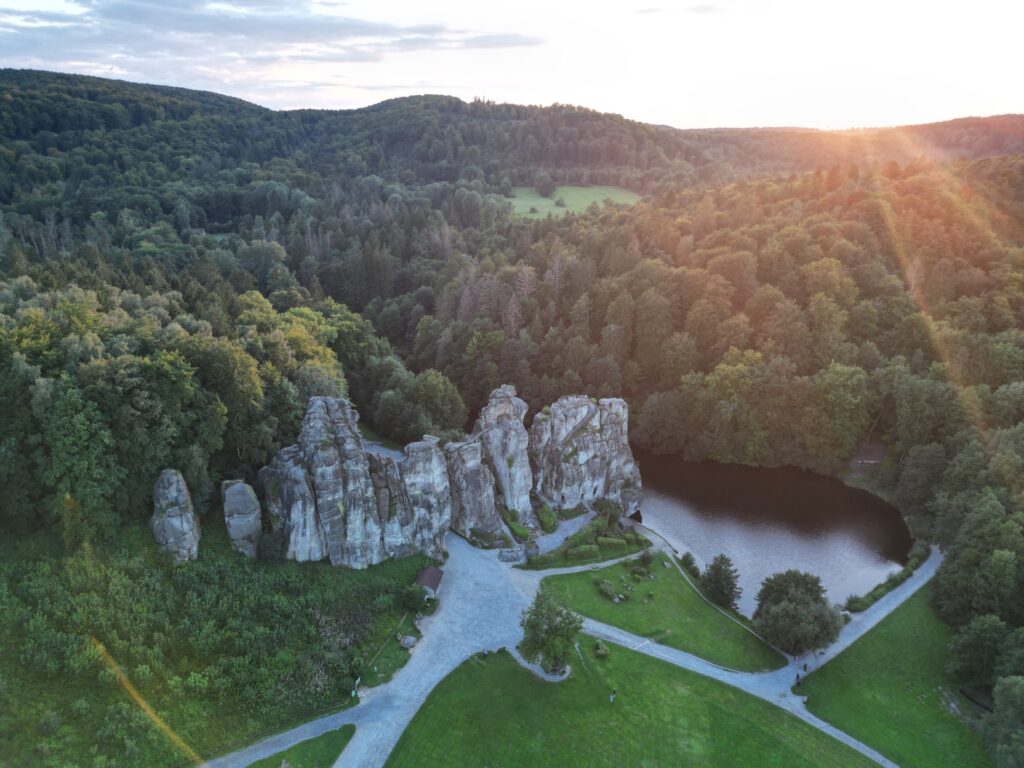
(180,271)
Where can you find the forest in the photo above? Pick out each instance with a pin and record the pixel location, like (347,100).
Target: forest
(181,271)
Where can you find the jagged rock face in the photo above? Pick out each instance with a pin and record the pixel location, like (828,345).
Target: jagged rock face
(425,474)
(174,523)
(339,472)
(472,488)
(505,441)
(242,516)
(291,508)
(580,452)
(330,498)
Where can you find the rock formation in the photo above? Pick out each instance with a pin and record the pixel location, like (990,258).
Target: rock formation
(242,516)
(327,496)
(291,508)
(580,452)
(474,512)
(174,523)
(505,440)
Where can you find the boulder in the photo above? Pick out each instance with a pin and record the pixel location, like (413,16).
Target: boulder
(174,523)
(242,516)
(505,440)
(472,489)
(580,452)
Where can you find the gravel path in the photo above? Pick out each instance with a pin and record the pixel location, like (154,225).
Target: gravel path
(480,604)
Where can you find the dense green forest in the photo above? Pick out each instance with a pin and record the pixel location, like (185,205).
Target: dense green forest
(180,271)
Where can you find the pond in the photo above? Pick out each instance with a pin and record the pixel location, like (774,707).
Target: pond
(770,520)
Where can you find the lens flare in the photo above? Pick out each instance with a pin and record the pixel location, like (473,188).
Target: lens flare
(143,705)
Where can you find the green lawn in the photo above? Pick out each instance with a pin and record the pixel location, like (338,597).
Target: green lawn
(577,200)
(491,712)
(320,752)
(676,615)
(890,690)
(599,540)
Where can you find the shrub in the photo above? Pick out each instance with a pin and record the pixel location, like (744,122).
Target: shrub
(548,519)
(411,598)
(689,562)
(568,514)
(646,558)
(600,650)
(607,588)
(611,542)
(639,572)
(583,551)
(608,508)
(519,531)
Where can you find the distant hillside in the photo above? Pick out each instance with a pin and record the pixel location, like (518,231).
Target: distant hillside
(423,139)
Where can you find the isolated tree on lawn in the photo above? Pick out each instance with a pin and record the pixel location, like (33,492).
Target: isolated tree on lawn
(549,630)
(793,613)
(721,582)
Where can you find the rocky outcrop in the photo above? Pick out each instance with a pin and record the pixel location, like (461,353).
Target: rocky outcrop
(505,440)
(474,512)
(580,452)
(174,523)
(425,475)
(242,516)
(328,497)
(291,509)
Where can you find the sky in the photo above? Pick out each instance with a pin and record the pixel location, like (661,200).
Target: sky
(813,63)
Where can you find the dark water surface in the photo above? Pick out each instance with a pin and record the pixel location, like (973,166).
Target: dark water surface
(768,520)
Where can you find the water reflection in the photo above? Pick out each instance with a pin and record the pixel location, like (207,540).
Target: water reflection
(768,520)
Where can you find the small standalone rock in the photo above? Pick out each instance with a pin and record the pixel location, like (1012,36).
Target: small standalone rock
(407,642)
(174,523)
(242,516)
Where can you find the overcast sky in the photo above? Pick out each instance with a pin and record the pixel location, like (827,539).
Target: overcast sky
(816,63)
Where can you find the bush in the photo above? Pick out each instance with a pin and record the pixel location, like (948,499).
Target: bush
(609,509)
(611,542)
(568,514)
(689,563)
(600,650)
(519,531)
(607,588)
(548,519)
(646,558)
(639,572)
(583,551)
(411,598)
(918,554)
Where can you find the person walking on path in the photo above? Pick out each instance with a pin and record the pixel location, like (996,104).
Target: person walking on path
(611,696)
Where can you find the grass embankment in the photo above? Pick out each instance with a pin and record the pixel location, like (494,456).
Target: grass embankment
(224,650)
(492,712)
(597,541)
(665,607)
(319,752)
(918,554)
(890,690)
(576,199)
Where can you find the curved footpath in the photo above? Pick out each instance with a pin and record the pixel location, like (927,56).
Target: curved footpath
(480,605)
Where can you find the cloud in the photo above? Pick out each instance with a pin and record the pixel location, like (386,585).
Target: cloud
(236,45)
(704,8)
